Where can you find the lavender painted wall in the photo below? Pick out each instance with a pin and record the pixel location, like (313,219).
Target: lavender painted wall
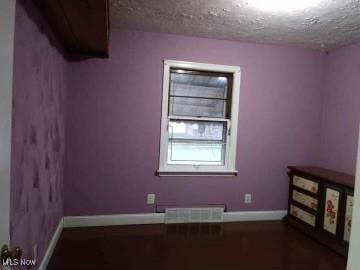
(293,103)
(38,133)
(341,110)
(114,124)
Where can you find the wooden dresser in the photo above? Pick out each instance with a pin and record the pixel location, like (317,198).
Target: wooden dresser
(320,205)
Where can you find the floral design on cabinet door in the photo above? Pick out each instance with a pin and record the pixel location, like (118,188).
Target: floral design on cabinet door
(330,213)
(348,217)
(331,210)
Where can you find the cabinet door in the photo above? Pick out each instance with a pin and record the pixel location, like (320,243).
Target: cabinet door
(331,211)
(348,215)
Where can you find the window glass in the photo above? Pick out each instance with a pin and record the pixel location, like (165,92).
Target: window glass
(196,142)
(192,94)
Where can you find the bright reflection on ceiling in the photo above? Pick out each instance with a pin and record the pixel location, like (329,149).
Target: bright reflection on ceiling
(283,5)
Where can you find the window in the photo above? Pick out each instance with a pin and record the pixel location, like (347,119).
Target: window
(199,118)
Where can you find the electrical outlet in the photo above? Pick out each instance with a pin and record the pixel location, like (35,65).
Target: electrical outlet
(247,198)
(150,199)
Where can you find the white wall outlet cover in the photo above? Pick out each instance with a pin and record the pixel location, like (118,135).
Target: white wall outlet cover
(150,198)
(247,198)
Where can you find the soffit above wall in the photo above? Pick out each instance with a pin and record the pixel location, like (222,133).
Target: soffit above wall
(82,25)
(331,24)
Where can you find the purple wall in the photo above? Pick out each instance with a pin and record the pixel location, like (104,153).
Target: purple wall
(114,124)
(293,103)
(341,110)
(38,133)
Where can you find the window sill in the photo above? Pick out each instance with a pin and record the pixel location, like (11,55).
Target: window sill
(196,173)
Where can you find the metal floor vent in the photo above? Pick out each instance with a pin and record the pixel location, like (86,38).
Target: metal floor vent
(193,215)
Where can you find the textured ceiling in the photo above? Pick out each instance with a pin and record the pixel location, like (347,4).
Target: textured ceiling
(329,25)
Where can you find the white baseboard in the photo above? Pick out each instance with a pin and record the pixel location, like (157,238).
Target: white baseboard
(155,218)
(254,216)
(45,261)
(112,220)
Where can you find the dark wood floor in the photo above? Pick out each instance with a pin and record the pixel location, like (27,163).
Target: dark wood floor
(229,246)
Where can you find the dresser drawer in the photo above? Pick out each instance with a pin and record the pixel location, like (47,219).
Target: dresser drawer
(306,184)
(305,199)
(302,215)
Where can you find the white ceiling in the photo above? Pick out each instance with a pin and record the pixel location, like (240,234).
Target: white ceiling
(331,24)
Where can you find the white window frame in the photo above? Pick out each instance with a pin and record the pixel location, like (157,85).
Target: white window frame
(182,170)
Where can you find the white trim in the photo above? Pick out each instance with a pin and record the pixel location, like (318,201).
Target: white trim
(199,169)
(234,119)
(113,220)
(201,66)
(205,119)
(45,261)
(254,216)
(158,218)
(200,173)
(354,248)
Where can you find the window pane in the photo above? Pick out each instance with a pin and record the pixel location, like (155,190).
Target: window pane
(198,95)
(197,107)
(198,86)
(196,142)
